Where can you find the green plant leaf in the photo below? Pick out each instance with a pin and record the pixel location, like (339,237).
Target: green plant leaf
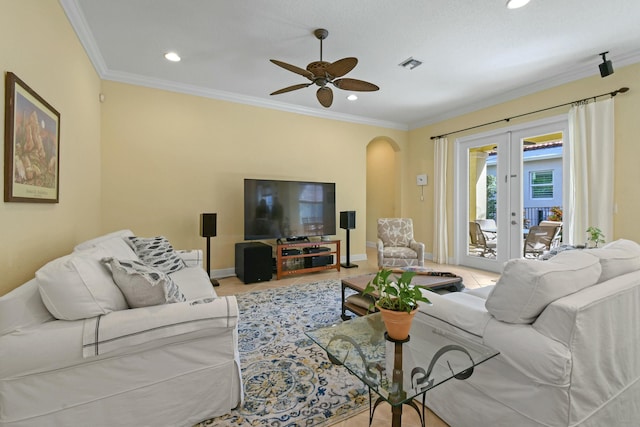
(395,293)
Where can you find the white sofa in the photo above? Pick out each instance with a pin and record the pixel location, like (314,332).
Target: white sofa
(107,365)
(568,332)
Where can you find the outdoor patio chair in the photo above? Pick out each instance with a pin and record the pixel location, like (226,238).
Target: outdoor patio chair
(489,228)
(539,239)
(558,237)
(478,242)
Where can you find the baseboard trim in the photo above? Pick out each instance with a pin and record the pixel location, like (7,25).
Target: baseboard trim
(222,273)
(354,257)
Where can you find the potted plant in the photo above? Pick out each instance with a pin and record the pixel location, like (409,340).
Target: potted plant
(595,236)
(555,213)
(397,300)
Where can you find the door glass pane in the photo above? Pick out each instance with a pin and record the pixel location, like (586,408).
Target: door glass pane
(483,199)
(542,163)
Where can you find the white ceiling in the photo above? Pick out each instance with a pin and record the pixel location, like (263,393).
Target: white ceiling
(476,53)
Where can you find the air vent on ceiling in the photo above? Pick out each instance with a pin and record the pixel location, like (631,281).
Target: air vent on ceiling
(410,63)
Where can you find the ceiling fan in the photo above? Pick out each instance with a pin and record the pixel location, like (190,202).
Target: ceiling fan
(323,73)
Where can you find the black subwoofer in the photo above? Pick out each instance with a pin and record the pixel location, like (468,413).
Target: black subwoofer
(253,262)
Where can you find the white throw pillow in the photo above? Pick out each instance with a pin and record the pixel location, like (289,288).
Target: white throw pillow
(527,286)
(143,285)
(157,252)
(78,286)
(617,258)
(194,283)
(92,243)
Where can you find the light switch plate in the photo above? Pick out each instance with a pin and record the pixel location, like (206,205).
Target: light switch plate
(421,179)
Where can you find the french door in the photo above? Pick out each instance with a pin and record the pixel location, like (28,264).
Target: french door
(490,184)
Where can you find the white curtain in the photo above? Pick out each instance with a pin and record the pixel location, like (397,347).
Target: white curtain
(591,167)
(440,243)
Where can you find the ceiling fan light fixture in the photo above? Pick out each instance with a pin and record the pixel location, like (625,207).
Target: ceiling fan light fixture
(516,4)
(172,56)
(352,97)
(322,73)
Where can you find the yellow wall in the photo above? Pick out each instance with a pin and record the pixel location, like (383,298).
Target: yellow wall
(167,157)
(39,46)
(627,132)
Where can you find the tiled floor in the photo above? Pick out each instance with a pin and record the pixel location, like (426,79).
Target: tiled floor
(471,278)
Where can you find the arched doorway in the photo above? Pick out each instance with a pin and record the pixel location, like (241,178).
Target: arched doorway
(383,184)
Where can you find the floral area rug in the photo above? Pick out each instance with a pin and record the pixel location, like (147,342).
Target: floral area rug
(288,380)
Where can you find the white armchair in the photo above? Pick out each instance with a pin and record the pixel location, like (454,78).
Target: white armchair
(396,245)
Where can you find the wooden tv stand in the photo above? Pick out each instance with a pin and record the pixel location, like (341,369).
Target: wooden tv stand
(303,257)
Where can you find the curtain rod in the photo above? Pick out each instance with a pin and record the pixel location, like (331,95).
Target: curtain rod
(612,94)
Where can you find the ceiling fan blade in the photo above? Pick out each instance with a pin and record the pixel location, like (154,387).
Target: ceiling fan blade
(325,96)
(356,85)
(342,66)
(293,68)
(290,88)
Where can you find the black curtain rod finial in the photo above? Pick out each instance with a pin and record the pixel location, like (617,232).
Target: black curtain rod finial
(621,90)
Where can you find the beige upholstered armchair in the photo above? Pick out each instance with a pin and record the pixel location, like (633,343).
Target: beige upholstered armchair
(396,245)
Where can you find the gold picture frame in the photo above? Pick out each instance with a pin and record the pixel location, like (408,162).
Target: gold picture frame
(31,145)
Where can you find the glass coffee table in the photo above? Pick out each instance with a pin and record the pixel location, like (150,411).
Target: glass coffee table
(399,371)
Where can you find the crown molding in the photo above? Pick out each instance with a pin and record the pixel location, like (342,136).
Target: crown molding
(80,26)
(154,83)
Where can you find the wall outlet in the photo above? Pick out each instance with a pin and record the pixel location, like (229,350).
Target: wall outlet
(421,179)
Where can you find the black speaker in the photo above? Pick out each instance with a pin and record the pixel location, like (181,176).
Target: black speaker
(208,224)
(606,68)
(254,262)
(348,220)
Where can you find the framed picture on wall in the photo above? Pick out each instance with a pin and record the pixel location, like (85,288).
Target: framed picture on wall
(32,145)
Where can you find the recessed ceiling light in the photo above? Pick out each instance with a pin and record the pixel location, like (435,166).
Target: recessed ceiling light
(352,97)
(515,4)
(172,56)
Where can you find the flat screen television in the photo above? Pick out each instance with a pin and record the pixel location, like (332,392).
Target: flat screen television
(288,209)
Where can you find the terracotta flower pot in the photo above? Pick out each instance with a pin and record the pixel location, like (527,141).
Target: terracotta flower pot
(398,323)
